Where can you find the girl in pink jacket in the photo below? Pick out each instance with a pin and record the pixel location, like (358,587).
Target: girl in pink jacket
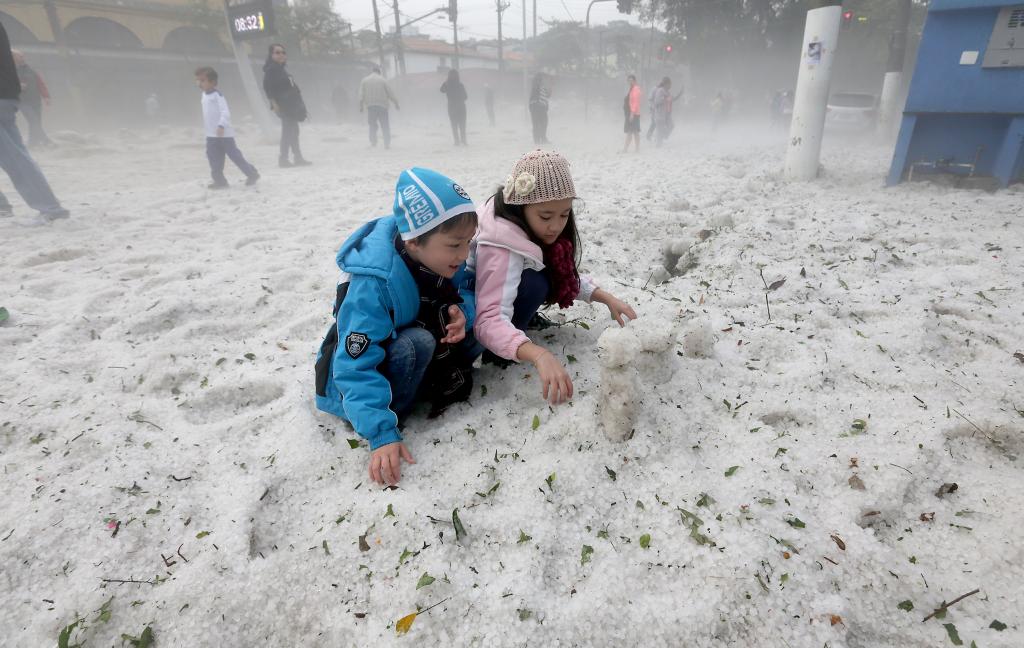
(526,254)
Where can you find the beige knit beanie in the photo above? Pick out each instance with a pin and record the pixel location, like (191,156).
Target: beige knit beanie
(539,176)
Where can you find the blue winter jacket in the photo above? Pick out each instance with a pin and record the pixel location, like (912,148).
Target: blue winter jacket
(376,298)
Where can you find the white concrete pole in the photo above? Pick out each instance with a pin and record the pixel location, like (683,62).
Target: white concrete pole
(821,35)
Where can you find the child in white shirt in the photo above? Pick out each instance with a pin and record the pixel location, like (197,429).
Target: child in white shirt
(220,137)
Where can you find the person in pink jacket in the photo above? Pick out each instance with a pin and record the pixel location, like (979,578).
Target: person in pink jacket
(526,254)
(631,111)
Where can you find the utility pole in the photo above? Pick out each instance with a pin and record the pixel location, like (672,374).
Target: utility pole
(399,54)
(502,6)
(892,87)
(535,18)
(380,37)
(453,16)
(586,60)
(526,78)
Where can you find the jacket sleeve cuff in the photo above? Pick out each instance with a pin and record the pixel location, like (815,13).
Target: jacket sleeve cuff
(587,288)
(384,438)
(512,350)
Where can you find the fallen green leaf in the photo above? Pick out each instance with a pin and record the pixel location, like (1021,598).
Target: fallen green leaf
(611,473)
(64,638)
(536,422)
(202,534)
(523,537)
(4,315)
(732,471)
(460,531)
(796,523)
(585,554)
(997,625)
(906,606)
(645,541)
(425,579)
(353,443)
(954,636)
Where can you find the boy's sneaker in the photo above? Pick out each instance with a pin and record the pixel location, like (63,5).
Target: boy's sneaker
(217,185)
(56,214)
(284,163)
(253,179)
(496,360)
(538,323)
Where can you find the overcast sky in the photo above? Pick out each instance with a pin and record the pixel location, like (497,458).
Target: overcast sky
(477,18)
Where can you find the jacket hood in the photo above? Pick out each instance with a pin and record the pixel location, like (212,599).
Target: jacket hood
(503,233)
(370,251)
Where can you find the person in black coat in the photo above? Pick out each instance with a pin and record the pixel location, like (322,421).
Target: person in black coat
(456,106)
(286,101)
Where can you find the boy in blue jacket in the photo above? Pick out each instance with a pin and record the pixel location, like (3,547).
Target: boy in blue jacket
(400,317)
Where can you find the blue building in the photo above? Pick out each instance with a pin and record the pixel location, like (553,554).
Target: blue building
(965,110)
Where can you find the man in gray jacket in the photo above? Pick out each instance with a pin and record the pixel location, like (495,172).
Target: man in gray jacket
(375,95)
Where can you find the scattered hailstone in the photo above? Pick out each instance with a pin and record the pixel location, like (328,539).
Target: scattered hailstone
(699,339)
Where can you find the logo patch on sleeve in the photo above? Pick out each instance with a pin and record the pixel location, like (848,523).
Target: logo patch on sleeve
(459,190)
(355,344)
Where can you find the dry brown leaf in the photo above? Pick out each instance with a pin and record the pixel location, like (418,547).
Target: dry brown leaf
(927,517)
(405,623)
(835,619)
(856,483)
(839,542)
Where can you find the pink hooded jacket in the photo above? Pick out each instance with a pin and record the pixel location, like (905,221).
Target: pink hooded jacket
(499,254)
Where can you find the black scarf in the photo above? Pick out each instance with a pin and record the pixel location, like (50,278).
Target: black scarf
(449,377)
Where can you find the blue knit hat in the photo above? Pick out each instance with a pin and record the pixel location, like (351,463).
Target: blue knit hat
(424,199)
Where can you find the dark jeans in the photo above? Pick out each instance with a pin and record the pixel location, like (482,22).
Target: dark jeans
(15,160)
(219,147)
(539,117)
(34,116)
(378,115)
(533,290)
(289,139)
(457,116)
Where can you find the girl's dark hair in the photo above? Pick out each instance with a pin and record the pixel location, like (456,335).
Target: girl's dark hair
(516,214)
(270,51)
(453,76)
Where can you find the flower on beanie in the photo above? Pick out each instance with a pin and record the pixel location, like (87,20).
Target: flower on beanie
(509,185)
(525,183)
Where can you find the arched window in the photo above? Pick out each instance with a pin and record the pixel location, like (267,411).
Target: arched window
(18,33)
(91,31)
(188,40)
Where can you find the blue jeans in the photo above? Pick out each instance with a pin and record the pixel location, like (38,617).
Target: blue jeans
(19,165)
(407,358)
(219,147)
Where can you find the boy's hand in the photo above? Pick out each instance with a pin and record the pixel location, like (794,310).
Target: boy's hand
(457,329)
(220,131)
(386,463)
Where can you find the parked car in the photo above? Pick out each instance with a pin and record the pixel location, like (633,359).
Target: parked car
(852,111)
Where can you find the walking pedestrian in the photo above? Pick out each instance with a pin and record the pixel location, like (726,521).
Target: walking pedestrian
(285,100)
(375,96)
(456,93)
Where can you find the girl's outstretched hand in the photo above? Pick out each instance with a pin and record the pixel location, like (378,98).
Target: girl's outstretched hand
(555,382)
(618,309)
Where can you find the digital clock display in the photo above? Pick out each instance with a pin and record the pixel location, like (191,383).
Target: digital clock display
(251,19)
(250,23)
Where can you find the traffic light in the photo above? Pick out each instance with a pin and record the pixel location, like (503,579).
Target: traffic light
(625,6)
(453,10)
(847,19)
